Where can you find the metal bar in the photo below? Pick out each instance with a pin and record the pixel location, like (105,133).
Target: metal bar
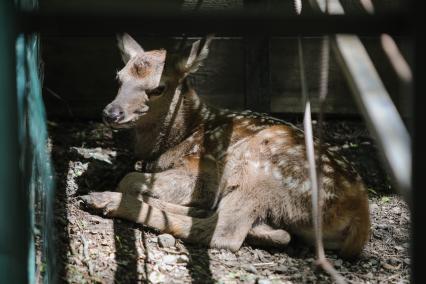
(14,215)
(378,109)
(200,23)
(314,175)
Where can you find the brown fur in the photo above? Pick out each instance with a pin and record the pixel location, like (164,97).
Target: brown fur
(218,177)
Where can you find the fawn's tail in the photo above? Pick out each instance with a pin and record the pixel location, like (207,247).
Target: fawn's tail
(358,231)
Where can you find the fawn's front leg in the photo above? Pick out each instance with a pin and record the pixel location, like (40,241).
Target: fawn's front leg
(176,186)
(226,228)
(195,183)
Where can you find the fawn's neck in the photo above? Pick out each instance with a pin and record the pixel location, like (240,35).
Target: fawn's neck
(166,129)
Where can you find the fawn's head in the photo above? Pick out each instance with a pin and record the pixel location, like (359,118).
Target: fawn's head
(149,79)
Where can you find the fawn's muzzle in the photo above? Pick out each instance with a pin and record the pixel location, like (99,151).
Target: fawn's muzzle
(113,114)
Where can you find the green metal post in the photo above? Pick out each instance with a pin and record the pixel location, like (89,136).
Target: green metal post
(13,200)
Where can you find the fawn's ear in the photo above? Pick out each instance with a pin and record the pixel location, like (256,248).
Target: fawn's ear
(198,52)
(128,47)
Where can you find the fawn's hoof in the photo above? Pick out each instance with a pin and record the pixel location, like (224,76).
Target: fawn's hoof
(108,202)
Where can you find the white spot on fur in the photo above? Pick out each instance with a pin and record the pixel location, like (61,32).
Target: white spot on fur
(196,148)
(256,164)
(292,151)
(276,173)
(341,163)
(327,181)
(219,147)
(290,182)
(268,135)
(267,168)
(306,186)
(296,168)
(325,159)
(328,169)
(345,183)
(280,141)
(329,195)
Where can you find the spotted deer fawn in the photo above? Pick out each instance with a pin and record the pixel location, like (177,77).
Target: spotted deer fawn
(217,177)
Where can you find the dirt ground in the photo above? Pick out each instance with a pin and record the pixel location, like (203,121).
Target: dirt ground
(92,249)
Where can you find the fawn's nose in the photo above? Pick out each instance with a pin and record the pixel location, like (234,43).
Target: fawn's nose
(113,114)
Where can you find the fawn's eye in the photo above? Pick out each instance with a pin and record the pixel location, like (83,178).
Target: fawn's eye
(156,92)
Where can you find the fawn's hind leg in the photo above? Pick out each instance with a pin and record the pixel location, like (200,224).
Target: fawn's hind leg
(264,235)
(259,235)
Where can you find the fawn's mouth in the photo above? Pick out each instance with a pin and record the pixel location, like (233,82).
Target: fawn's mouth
(127,122)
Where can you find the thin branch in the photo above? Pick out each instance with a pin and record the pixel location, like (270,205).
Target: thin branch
(54,94)
(322,261)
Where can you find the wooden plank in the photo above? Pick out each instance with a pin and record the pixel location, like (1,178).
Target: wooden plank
(257,80)
(285,78)
(257,67)
(211,5)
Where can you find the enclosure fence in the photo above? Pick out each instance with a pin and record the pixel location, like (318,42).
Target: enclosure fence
(25,173)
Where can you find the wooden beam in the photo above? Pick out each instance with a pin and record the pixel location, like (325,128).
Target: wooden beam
(223,23)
